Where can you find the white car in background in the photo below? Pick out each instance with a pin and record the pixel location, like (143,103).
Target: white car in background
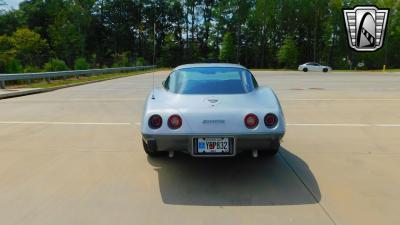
(312,66)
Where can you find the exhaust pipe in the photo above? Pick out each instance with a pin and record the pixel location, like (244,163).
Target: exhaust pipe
(254,153)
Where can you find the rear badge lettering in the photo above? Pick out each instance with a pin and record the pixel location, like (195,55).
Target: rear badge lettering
(213,121)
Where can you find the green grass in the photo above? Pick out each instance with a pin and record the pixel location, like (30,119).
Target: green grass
(82,79)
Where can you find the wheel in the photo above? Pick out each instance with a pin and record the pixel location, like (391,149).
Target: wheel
(325,70)
(305,69)
(272,150)
(150,152)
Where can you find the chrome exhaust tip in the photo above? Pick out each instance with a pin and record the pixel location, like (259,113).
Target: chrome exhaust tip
(254,153)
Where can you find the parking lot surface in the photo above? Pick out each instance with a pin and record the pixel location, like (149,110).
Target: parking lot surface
(74,156)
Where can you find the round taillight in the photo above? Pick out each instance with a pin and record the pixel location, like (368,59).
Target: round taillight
(174,122)
(270,120)
(251,121)
(155,121)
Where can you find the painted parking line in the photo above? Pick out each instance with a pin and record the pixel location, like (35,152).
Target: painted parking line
(331,125)
(144,98)
(75,100)
(387,125)
(138,124)
(341,125)
(340,99)
(63,123)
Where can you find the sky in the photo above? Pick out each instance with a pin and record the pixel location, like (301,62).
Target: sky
(12,3)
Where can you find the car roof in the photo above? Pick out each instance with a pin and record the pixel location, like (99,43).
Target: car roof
(205,65)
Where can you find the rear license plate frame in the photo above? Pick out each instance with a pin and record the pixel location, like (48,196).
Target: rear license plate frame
(231,152)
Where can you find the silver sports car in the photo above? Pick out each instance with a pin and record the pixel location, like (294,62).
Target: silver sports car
(212,110)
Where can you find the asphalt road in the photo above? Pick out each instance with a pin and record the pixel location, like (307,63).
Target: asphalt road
(74,156)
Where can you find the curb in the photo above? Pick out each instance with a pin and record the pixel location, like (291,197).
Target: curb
(43,90)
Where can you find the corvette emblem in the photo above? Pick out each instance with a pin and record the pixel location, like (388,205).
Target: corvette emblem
(365,27)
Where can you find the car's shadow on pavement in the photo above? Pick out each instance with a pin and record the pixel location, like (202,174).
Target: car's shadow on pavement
(241,181)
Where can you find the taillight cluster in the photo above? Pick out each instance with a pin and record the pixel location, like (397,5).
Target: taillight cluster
(155,121)
(251,120)
(270,120)
(174,121)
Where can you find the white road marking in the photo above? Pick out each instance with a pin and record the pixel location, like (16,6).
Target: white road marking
(144,98)
(138,124)
(341,125)
(387,125)
(62,123)
(341,99)
(329,124)
(76,100)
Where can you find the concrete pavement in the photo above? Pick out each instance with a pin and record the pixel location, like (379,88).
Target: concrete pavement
(74,156)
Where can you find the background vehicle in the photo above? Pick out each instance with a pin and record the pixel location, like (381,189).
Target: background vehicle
(212,110)
(312,66)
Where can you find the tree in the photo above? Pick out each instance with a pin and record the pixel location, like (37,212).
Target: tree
(2,4)
(121,60)
(7,53)
(10,21)
(29,46)
(227,53)
(69,27)
(288,53)
(81,64)
(251,32)
(55,65)
(35,15)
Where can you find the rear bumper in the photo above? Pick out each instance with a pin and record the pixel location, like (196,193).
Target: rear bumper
(184,143)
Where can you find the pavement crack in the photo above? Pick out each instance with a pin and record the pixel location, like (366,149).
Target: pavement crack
(307,188)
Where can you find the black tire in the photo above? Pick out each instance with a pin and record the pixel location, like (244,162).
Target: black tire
(305,69)
(272,150)
(325,70)
(149,152)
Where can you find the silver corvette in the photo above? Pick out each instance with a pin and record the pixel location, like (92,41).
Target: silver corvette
(212,110)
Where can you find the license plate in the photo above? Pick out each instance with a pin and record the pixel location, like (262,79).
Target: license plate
(214,145)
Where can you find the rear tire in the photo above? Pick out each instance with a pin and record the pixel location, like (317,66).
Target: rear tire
(325,70)
(305,69)
(150,152)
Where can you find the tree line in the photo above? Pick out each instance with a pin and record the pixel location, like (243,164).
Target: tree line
(78,34)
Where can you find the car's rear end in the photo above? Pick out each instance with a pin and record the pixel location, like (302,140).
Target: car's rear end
(214,124)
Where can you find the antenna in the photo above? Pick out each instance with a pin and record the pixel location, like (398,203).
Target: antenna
(154,55)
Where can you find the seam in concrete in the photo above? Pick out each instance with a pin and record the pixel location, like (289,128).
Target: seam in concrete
(308,189)
(64,123)
(43,90)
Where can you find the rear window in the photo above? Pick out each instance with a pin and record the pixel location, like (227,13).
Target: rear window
(210,80)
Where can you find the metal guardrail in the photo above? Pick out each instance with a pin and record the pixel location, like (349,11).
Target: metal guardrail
(65,74)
